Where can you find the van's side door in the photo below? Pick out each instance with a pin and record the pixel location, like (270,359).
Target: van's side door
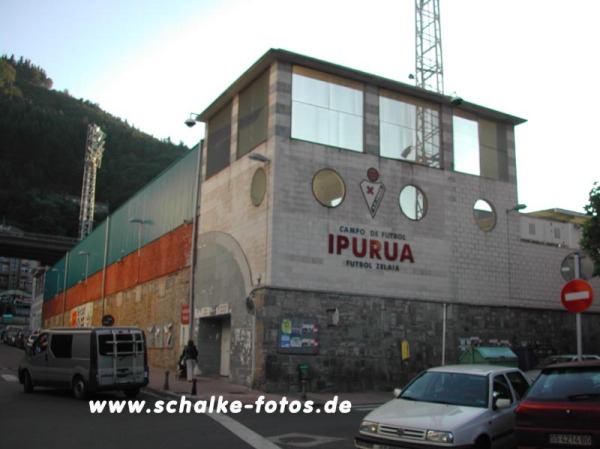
(37,362)
(60,364)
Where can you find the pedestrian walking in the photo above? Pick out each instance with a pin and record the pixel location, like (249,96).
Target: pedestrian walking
(190,354)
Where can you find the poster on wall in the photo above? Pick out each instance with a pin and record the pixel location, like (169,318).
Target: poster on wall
(298,335)
(159,335)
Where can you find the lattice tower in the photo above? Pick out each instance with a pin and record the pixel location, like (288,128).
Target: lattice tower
(93,160)
(429,75)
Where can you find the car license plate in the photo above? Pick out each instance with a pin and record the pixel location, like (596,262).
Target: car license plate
(581,440)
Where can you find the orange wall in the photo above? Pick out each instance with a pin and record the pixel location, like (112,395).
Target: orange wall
(166,255)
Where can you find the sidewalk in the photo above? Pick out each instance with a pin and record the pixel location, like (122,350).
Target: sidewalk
(206,387)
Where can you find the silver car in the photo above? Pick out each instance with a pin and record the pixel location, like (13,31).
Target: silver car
(449,406)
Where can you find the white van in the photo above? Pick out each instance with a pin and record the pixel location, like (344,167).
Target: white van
(87,359)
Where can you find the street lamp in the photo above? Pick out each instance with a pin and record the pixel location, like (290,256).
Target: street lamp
(259,157)
(141,223)
(515,208)
(57,271)
(87,262)
(197,189)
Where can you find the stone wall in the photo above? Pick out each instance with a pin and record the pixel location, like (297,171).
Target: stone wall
(363,351)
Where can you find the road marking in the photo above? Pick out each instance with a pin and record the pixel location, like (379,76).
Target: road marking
(303,439)
(365,407)
(577,295)
(249,436)
(10,378)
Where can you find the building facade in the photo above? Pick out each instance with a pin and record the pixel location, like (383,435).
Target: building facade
(17,282)
(356,226)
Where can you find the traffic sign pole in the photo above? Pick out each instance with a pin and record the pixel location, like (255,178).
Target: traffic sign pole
(578,315)
(577,296)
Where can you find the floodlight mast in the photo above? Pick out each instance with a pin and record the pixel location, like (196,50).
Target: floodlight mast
(93,161)
(429,75)
(428,37)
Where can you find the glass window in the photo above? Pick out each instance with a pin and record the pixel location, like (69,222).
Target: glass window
(408,129)
(480,148)
(61,345)
(41,344)
(327,109)
(219,141)
(253,114)
(258,187)
(484,215)
(329,188)
(501,388)
(412,202)
(518,382)
(466,145)
(119,344)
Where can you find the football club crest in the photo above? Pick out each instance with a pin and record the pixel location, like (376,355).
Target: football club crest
(372,190)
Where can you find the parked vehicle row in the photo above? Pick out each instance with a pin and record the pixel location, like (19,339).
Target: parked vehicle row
(16,336)
(490,407)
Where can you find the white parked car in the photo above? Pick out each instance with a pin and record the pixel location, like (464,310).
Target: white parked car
(449,406)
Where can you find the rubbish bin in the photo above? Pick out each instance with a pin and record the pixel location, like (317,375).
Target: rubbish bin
(492,355)
(304,369)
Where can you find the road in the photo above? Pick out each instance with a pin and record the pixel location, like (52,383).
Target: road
(54,419)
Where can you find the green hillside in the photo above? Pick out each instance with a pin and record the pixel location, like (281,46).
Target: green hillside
(42,148)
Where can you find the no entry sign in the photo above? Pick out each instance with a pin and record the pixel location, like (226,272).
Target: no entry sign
(577,295)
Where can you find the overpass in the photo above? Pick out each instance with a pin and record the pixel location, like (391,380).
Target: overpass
(47,249)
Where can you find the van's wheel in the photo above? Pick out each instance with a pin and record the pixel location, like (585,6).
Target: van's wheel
(79,388)
(131,392)
(27,382)
(482,443)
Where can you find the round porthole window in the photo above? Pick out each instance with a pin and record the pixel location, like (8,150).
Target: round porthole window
(484,215)
(328,188)
(412,202)
(258,187)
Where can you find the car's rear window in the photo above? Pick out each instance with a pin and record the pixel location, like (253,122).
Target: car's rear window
(567,384)
(120,344)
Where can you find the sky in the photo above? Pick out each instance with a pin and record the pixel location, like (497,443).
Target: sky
(154,62)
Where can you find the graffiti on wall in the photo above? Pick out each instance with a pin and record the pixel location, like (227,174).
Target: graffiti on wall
(81,316)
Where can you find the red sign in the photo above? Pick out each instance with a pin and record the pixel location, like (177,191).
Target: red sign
(577,295)
(185,314)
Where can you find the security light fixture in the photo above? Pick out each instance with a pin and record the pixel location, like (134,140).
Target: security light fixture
(191,121)
(517,207)
(259,157)
(455,100)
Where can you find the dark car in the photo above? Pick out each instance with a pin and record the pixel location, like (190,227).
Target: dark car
(562,408)
(552,360)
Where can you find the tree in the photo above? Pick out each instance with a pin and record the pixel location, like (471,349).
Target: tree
(8,75)
(590,239)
